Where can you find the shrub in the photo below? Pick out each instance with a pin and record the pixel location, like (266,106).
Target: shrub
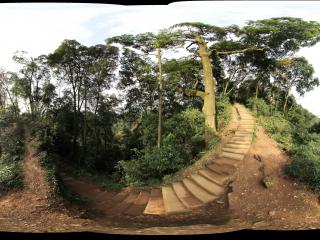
(279,129)
(10,176)
(305,164)
(11,154)
(261,107)
(154,163)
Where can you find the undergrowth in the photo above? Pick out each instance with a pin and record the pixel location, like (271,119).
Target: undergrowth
(11,153)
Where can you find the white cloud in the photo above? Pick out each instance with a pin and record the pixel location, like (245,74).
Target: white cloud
(40,28)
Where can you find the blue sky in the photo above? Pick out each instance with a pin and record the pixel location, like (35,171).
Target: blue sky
(39,28)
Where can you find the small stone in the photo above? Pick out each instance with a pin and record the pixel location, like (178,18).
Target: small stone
(268,181)
(272,213)
(259,224)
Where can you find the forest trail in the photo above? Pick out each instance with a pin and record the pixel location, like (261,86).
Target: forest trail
(193,193)
(286,205)
(35,182)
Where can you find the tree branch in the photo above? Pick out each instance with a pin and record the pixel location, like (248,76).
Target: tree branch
(192,93)
(190,44)
(240,51)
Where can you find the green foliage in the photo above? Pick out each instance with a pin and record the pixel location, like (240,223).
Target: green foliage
(10,175)
(279,129)
(223,108)
(183,139)
(305,165)
(11,154)
(282,35)
(260,107)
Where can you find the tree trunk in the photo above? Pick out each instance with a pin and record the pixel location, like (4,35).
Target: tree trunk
(254,107)
(84,137)
(160,100)
(208,109)
(75,125)
(225,88)
(257,89)
(286,102)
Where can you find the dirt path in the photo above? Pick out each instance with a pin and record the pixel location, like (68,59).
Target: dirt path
(32,209)
(286,205)
(35,182)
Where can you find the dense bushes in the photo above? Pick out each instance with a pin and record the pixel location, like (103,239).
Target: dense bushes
(11,153)
(273,121)
(183,139)
(279,129)
(305,165)
(261,107)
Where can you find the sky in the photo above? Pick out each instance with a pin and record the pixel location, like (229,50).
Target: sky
(39,28)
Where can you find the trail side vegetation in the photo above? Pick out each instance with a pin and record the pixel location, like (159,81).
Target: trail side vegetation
(130,113)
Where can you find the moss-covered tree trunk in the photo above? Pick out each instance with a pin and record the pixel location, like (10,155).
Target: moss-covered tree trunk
(209,100)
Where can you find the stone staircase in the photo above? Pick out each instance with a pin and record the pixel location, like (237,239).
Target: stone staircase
(200,188)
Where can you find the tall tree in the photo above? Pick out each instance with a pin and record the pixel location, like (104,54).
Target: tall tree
(70,63)
(150,43)
(29,81)
(295,73)
(104,61)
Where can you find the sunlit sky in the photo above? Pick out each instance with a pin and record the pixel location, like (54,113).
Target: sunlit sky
(39,28)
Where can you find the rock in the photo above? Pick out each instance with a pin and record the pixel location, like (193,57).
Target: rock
(268,181)
(259,224)
(272,213)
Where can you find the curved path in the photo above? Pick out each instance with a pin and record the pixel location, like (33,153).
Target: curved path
(206,185)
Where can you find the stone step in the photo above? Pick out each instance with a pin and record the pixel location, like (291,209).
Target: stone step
(119,197)
(228,161)
(242,138)
(222,169)
(105,198)
(155,204)
(238,146)
(244,130)
(198,192)
(185,196)
(124,205)
(236,156)
(237,142)
(220,179)
(139,204)
(208,185)
(241,133)
(235,150)
(245,135)
(248,132)
(172,204)
(246,127)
